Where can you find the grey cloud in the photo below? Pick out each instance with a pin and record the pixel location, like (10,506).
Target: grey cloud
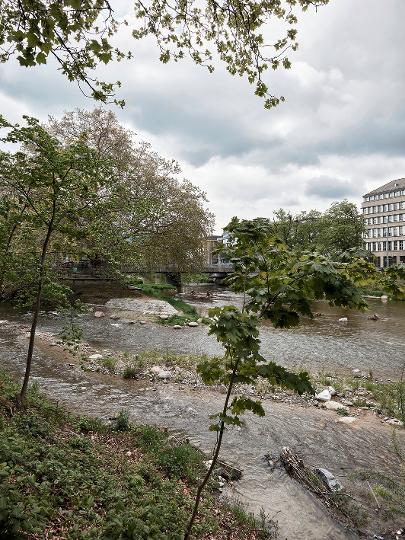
(326,187)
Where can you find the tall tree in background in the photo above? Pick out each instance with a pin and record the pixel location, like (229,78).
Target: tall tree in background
(333,232)
(163,219)
(79,35)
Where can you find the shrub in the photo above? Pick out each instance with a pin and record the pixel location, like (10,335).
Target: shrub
(121,423)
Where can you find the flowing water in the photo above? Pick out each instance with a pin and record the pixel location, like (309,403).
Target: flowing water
(321,344)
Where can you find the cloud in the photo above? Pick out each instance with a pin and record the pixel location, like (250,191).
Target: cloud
(326,187)
(339,134)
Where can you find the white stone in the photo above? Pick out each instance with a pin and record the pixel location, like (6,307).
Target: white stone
(343,319)
(335,405)
(332,391)
(155,369)
(95,356)
(323,396)
(356,373)
(3,322)
(164,374)
(99,314)
(116,325)
(384,298)
(114,317)
(394,422)
(192,324)
(347,420)
(163,317)
(177,327)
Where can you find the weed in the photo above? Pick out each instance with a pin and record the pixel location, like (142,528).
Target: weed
(109,364)
(121,423)
(130,372)
(342,411)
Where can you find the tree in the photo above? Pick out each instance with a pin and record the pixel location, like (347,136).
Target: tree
(79,34)
(280,285)
(337,230)
(164,220)
(342,228)
(53,190)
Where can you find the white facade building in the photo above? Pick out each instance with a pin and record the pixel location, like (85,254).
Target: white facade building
(384,217)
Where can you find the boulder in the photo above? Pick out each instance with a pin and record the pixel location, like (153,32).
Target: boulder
(335,405)
(373,317)
(384,298)
(347,420)
(343,319)
(325,395)
(96,356)
(99,314)
(192,324)
(177,326)
(356,373)
(330,481)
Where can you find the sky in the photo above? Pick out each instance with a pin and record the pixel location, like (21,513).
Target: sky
(339,134)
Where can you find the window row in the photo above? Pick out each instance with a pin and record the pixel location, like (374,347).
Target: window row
(384,208)
(384,219)
(384,232)
(394,245)
(379,196)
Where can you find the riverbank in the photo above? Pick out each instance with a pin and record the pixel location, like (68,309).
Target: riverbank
(360,455)
(76,477)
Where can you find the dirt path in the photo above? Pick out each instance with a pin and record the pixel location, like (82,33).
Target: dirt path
(312,432)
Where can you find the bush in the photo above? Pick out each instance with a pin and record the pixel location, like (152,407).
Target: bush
(121,423)
(183,461)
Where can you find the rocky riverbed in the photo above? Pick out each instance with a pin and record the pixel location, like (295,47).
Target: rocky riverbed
(172,396)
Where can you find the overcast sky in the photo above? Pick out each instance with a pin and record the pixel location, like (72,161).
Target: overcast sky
(340,133)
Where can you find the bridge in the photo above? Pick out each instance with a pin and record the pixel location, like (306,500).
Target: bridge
(86,270)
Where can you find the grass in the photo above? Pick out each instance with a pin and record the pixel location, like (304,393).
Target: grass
(389,396)
(160,291)
(72,477)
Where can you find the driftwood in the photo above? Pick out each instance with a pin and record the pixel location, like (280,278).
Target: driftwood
(296,468)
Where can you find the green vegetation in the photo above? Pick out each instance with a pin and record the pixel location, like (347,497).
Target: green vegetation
(195,278)
(81,35)
(158,291)
(65,476)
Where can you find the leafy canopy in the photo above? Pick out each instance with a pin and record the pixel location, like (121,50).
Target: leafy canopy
(79,34)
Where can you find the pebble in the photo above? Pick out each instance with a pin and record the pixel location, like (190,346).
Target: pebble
(346,420)
(192,324)
(163,317)
(142,322)
(99,314)
(394,422)
(114,317)
(335,405)
(95,356)
(343,319)
(177,326)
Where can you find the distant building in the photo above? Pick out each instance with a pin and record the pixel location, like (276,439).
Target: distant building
(212,243)
(384,217)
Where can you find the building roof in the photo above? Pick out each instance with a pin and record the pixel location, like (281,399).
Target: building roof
(399,183)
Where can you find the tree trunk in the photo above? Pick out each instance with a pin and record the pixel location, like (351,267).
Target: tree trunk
(214,460)
(23,393)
